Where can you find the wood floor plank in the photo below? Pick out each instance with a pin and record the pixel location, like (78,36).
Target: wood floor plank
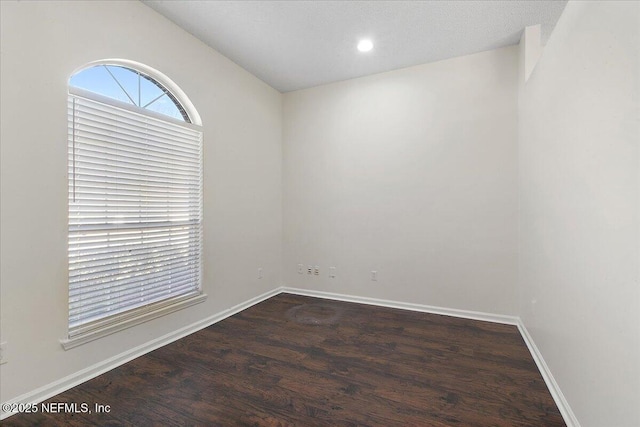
(301,361)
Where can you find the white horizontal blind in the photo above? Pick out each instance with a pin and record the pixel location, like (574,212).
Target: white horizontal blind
(135,207)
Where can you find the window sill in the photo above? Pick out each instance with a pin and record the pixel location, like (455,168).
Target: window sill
(133,319)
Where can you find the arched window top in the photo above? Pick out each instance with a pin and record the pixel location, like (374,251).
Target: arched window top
(134,201)
(135,84)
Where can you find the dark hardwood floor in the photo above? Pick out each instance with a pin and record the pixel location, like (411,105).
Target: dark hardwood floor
(302,361)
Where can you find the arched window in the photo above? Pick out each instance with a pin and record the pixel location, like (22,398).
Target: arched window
(135,199)
(131,87)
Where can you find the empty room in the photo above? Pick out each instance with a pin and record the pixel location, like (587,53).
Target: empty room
(320,213)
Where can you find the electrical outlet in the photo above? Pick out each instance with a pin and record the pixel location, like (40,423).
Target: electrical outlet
(300,269)
(3,353)
(259,272)
(316,270)
(309,269)
(374,275)
(332,272)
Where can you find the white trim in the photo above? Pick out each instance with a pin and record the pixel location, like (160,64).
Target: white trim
(86,374)
(465,314)
(561,402)
(139,316)
(45,392)
(156,75)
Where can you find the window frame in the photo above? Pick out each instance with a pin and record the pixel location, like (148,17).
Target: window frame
(110,324)
(154,74)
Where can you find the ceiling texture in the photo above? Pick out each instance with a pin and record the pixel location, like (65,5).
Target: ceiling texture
(294,45)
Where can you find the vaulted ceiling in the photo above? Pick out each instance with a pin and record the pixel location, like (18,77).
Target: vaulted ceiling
(299,44)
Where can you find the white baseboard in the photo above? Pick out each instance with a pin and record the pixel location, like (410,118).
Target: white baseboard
(59,386)
(466,314)
(561,402)
(45,392)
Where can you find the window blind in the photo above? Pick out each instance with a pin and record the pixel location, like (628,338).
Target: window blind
(135,207)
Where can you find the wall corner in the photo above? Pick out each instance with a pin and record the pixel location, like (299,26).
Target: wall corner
(530,51)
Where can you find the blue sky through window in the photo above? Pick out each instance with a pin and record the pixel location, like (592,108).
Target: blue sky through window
(127,86)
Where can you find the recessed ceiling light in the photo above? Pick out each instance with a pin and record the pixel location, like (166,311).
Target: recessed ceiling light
(365,45)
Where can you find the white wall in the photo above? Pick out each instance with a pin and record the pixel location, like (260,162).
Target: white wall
(411,173)
(579,215)
(42,44)
(414,173)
